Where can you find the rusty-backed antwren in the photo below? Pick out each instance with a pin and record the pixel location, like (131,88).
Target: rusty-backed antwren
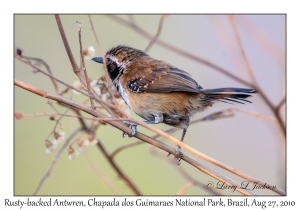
(159,92)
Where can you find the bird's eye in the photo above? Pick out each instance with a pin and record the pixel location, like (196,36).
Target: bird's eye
(108,60)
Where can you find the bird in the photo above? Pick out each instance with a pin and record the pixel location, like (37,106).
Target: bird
(160,92)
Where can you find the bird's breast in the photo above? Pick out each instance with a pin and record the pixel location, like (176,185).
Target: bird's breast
(123,93)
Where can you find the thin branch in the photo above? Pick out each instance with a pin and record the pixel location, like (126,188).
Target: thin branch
(256,85)
(99,119)
(83,65)
(231,18)
(103,177)
(281,103)
(48,69)
(185,187)
(55,158)
(126,146)
(162,17)
(255,114)
(118,170)
(95,35)
(131,19)
(68,50)
(187,176)
(28,62)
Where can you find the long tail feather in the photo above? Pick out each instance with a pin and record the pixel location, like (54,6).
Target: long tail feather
(237,95)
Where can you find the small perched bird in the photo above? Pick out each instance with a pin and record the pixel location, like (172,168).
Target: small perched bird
(159,92)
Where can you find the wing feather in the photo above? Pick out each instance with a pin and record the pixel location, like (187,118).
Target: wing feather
(162,80)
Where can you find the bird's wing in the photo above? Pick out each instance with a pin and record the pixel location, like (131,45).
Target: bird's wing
(162,80)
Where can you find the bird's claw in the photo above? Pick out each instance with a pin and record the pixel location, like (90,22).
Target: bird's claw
(178,155)
(133,127)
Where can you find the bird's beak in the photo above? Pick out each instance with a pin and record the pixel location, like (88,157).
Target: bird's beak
(98,59)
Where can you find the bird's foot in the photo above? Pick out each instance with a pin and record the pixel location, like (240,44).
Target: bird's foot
(133,127)
(178,155)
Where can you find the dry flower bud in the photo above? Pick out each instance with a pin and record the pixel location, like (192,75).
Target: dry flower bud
(59,137)
(72,153)
(104,89)
(117,95)
(121,103)
(18,115)
(89,52)
(19,51)
(83,145)
(95,86)
(90,137)
(119,114)
(50,147)
(103,78)
(93,141)
(77,85)
(56,135)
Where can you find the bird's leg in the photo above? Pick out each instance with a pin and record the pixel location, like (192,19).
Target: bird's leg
(179,154)
(158,118)
(132,126)
(178,148)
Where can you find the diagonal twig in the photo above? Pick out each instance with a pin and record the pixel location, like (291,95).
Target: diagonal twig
(83,65)
(95,35)
(160,25)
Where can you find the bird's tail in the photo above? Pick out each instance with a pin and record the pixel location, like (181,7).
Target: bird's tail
(226,95)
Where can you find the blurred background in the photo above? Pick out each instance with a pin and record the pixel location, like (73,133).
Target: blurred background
(250,144)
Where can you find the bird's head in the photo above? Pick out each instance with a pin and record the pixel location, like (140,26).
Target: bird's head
(117,58)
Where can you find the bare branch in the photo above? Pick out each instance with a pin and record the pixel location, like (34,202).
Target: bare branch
(68,50)
(256,85)
(281,103)
(185,187)
(95,35)
(83,65)
(47,67)
(118,170)
(162,17)
(231,18)
(102,176)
